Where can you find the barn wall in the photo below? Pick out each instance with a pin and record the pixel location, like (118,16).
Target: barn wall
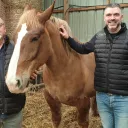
(14,9)
(2,10)
(85,24)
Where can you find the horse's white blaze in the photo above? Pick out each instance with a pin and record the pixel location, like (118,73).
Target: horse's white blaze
(11,75)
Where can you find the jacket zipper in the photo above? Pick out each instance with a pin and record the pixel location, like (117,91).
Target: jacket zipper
(108,62)
(3,112)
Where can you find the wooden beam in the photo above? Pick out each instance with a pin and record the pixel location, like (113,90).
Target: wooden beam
(58,11)
(99,7)
(66,13)
(124,5)
(81,9)
(87,8)
(109,1)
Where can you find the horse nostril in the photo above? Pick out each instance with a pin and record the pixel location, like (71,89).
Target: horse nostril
(22,82)
(18,82)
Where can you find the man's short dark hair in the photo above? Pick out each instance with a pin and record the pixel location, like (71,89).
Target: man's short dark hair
(113,5)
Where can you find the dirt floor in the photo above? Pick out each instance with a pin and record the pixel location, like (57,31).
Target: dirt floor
(37,114)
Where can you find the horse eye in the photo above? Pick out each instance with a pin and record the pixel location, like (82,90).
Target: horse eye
(34,39)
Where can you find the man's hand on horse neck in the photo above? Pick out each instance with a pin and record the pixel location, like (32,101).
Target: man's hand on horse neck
(63,32)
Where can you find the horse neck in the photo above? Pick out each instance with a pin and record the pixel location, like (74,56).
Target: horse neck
(59,56)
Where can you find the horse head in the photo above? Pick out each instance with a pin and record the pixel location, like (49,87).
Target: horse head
(32,41)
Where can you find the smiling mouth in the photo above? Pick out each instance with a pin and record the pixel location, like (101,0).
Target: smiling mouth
(112,23)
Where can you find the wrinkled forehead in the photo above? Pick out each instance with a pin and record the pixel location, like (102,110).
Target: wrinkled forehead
(112,10)
(2,25)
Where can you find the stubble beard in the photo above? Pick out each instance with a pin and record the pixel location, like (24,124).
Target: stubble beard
(114,29)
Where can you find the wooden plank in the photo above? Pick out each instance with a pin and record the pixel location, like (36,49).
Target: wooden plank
(58,11)
(109,1)
(66,12)
(87,8)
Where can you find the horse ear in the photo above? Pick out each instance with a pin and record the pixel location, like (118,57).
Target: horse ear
(27,7)
(43,17)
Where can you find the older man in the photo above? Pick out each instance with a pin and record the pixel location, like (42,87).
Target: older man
(10,104)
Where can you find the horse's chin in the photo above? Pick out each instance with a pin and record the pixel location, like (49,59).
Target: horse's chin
(16,90)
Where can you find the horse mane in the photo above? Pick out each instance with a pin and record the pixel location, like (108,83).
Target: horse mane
(58,22)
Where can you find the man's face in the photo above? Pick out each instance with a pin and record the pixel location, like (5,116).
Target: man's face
(2,31)
(113,18)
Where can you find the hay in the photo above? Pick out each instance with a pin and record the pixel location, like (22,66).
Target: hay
(14,9)
(21,3)
(37,114)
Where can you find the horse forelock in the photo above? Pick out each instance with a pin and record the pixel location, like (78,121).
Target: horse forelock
(30,18)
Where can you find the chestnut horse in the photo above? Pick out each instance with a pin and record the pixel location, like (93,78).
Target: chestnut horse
(68,76)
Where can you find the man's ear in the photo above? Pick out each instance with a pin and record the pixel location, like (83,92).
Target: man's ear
(122,16)
(5,29)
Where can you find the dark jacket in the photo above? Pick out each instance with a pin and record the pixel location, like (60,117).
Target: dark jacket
(9,103)
(111,55)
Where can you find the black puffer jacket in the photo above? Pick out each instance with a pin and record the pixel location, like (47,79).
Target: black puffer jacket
(9,103)
(111,74)
(111,55)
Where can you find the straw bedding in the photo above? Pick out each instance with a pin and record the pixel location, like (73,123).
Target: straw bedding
(37,114)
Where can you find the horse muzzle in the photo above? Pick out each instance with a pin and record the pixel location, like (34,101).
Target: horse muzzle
(18,84)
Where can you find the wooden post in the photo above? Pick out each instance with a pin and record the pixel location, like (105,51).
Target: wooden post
(66,12)
(109,1)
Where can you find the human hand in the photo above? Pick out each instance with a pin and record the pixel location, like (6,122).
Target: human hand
(34,75)
(63,32)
